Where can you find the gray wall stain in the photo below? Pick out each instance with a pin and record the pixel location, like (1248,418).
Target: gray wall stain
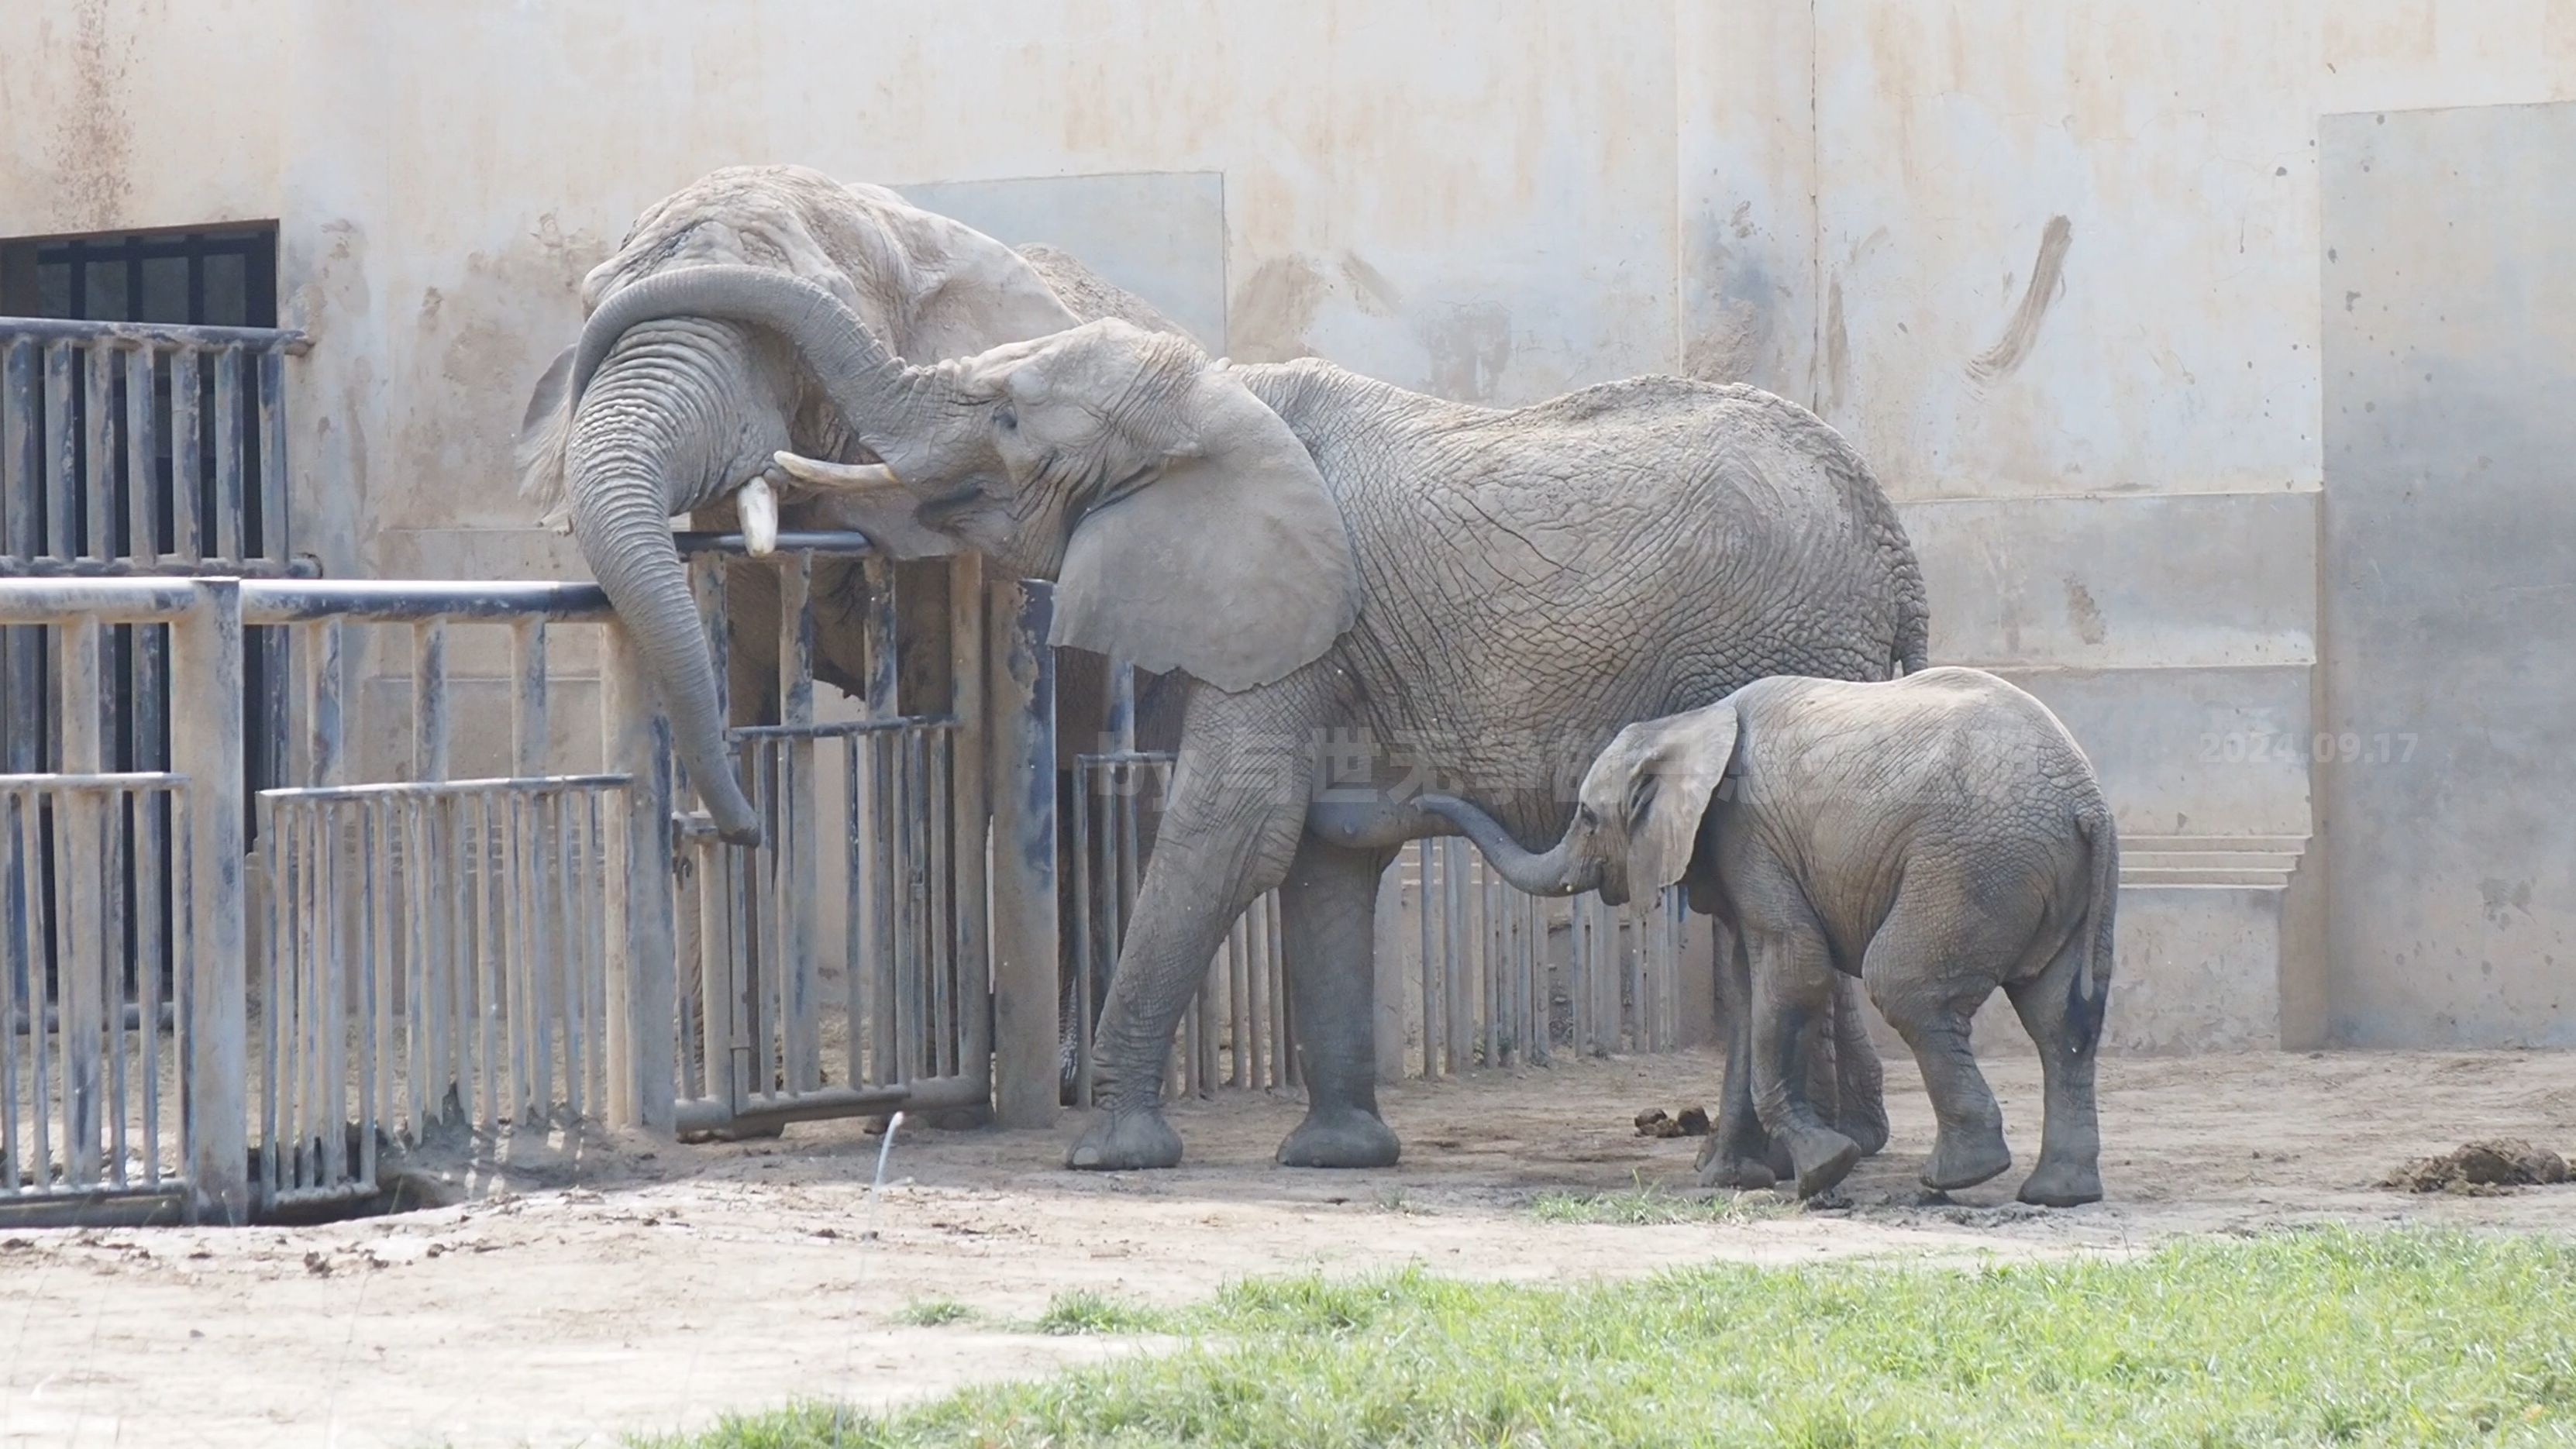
(2022,332)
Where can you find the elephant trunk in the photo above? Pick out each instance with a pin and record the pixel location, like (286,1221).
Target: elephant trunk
(888,404)
(1555,873)
(632,462)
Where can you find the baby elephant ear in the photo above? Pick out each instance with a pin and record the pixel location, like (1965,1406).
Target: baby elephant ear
(1231,563)
(1674,766)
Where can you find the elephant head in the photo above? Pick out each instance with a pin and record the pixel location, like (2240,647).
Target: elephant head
(684,385)
(1185,526)
(1638,814)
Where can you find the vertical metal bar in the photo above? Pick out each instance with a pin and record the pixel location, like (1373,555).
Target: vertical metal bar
(62,454)
(718,930)
(279,928)
(142,457)
(228,529)
(187,461)
(207,673)
(757,957)
(420,1003)
(1453,953)
(22,471)
(563,926)
(920,1017)
(1238,998)
(98,491)
(455,924)
(969,806)
(18,962)
(1290,1072)
(375,1014)
(82,973)
(1633,937)
(1428,966)
(274,522)
(855,937)
(1025,953)
(1260,965)
(595,946)
(44,924)
(800,841)
(383,964)
(943,906)
(494,859)
(641,988)
(1083,918)
(528,751)
(305,830)
(111,867)
(437,1062)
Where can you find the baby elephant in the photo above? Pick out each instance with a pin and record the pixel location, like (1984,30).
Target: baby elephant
(1937,835)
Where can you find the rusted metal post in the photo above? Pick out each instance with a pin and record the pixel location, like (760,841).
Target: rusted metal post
(1022,691)
(969,809)
(799,842)
(642,998)
(206,671)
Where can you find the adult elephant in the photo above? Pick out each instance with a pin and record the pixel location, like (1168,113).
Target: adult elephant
(1367,591)
(682,412)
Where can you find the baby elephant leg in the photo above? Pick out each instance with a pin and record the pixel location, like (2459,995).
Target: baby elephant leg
(1736,1154)
(1793,986)
(1928,977)
(2067,1026)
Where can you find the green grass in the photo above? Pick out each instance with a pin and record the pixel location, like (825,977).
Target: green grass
(932,1312)
(1082,1311)
(1647,1204)
(2323,1337)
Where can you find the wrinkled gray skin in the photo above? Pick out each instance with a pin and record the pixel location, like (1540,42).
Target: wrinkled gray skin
(1487,594)
(682,411)
(1937,836)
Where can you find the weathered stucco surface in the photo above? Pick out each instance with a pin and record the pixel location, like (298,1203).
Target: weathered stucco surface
(2050,266)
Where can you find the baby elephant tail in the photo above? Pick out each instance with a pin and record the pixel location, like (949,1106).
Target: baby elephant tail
(2091,990)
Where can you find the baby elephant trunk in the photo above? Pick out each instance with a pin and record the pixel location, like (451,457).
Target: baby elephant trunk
(1555,873)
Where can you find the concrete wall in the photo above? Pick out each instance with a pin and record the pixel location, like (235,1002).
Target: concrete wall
(2052,267)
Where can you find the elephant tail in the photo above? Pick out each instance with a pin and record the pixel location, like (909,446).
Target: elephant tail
(1913,627)
(2091,990)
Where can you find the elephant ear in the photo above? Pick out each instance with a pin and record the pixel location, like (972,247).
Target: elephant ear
(1667,771)
(537,455)
(1229,561)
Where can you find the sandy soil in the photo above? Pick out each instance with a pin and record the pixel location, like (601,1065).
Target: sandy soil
(629,1288)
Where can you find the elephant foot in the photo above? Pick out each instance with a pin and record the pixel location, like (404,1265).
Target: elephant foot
(1737,1172)
(1126,1141)
(1340,1137)
(2061,1184)
(1822,1157)
(1964,1159)
(1865,1123)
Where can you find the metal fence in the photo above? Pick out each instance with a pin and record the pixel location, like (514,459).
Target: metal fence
(486,952)
(1476,973)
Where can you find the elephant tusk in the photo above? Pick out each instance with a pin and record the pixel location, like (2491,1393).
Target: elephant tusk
(758,503)
(843,477)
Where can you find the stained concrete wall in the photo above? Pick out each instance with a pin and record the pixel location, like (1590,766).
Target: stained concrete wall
(2050,266)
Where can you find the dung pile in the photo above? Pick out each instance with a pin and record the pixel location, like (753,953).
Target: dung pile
(2492,1166)
(1655,1122)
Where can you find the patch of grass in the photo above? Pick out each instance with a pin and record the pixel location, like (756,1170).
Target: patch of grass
(1082,1311)
(2327,1336)
(932,1312)
(1648,1204)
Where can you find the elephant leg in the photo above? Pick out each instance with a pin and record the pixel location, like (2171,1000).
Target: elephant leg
(2068,1035)
(1922,970)
(1327,914)
(1232,819)
(1860,1085)
(1792,988)
(1737,1152)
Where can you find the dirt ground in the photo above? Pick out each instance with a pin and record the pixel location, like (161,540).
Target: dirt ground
(623,1287)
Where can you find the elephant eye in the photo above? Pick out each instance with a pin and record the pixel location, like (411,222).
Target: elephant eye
(1006,417)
